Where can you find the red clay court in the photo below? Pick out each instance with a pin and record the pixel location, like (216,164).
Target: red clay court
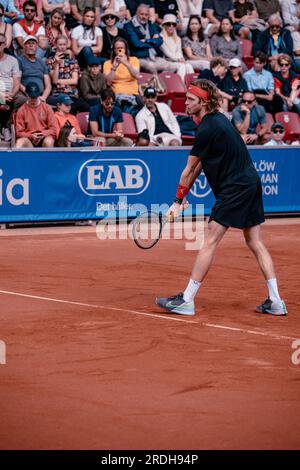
(92,363)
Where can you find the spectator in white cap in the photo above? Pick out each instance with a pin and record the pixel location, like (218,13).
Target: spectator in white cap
(33,68)
(159,120)
(233,85)
(277,134)
(172,46)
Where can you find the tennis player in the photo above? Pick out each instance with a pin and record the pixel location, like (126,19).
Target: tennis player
(221,153)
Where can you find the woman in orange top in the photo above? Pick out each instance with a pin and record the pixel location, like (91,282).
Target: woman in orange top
(121,74)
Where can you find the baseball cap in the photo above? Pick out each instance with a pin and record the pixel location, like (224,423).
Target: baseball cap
(30,38)
(94,61)
(150,91)
(64,99)
(33,90)
(235,62)
(277,125)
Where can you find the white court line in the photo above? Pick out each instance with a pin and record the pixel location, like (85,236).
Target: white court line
(95,306)
(209,325)
(250,332)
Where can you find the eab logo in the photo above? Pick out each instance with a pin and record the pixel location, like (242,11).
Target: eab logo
(201,187)
(114,177)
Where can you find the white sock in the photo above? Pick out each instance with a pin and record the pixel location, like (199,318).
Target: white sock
(191,290)
(273,290)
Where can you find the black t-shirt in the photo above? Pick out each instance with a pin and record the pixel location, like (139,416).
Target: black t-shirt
(108,41)
(133,4)
(208,74)
(160,126)
(165,7)
(242,9)
(233,87)
(224,156)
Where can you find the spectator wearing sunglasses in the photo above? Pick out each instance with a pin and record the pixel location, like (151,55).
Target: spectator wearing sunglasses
(21,6)
(287,86)
(106,121)
(172,47)
(29,26)
(110,31)
(275,40)
(277,134)
(247,116)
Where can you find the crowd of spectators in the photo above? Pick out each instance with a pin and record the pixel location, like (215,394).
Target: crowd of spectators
(59,59)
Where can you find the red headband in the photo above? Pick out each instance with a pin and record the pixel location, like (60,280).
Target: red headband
(203,94)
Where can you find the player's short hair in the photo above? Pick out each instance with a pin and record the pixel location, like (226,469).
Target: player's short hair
(214,97)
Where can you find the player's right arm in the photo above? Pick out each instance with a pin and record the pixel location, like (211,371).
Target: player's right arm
(190,173)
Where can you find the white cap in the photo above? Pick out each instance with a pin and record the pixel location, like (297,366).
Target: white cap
(235,62)
(30,38)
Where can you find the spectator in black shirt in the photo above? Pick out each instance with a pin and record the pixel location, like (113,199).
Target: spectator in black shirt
(217,71)
(164,7)
(233,85)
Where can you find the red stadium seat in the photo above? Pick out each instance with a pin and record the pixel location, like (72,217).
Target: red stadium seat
(247,56)
(129,127)
(143,77)
(291,122)
(83,119)
(176,91)
(190,77)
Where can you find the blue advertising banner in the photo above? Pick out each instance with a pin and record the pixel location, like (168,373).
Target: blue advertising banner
(88,184)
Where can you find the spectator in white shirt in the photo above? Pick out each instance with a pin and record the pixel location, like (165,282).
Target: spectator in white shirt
(277,134)
(159,120)
(87,38)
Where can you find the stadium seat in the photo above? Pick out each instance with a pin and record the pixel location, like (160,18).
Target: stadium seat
(143,77)
(270,121)
(247,56)
(83,119)
(291,122)
(176,91)
(129,127)
(190,77)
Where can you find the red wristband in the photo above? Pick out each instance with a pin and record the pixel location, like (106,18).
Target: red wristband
(181,193)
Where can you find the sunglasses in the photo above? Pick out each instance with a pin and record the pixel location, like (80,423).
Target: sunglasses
(278,131)
(110,17)
(170,24)
(248,101)
(284,65)
(29,10)
(275,26)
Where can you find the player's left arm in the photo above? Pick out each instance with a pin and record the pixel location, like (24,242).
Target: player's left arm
(190,173)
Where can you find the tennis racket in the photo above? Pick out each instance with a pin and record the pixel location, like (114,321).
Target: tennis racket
(147,229)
